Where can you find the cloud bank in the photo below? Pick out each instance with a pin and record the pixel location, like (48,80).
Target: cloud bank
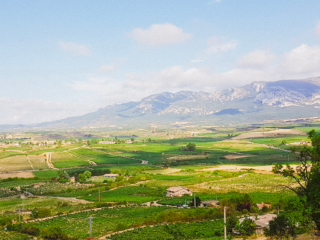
(159,34)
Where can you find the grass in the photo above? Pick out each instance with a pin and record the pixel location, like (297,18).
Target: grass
(133,194)
(47,174)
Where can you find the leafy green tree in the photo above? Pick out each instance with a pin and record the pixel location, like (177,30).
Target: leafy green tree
(282,227)
(87,174)
(277,168)
(231,223)
(191,147)
(247,227)
(307,177)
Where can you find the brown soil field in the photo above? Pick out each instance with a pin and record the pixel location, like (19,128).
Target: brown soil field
(17,174)
(275,133)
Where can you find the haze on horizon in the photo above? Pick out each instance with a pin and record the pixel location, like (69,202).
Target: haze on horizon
(61,59)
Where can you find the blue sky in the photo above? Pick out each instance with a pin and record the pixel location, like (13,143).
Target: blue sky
(65,58)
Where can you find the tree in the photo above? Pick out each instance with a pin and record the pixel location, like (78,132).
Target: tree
(277,168)
(198,202)
(307,176)
(247,227)
(191,147)
(84,176)
(281,227)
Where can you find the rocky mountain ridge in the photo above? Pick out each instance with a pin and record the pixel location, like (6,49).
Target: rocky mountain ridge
(252,103)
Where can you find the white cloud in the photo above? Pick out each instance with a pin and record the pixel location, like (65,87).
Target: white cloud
(160,34)
(317,30)
(303,60)
(259,65)
(75,48)
(107,68)
(196,60)
(256,59)
(27,111)
(215,45)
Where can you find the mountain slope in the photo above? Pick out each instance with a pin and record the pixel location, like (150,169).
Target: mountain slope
(252,103)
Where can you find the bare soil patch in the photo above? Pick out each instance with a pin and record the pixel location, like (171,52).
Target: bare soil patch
(275,133)
(16,174)
(231,157)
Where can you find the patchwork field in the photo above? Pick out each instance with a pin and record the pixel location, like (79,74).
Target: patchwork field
(226,164)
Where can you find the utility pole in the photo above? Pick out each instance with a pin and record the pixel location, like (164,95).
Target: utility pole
(278,210)
(194,201)
(225,222)
(99,195)
(90,221)
(19,213)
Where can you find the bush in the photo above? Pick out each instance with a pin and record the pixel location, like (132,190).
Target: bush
(54,233)
(5,221)
(121,226)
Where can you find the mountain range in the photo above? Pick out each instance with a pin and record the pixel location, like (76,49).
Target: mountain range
(253,103)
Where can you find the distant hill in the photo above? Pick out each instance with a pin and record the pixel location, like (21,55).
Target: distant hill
(252,103)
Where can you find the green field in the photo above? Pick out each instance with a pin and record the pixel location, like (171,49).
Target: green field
(158,159)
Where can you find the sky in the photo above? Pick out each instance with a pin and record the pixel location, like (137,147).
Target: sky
(62,58)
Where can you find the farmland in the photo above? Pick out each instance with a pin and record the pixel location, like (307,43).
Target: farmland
(219,167)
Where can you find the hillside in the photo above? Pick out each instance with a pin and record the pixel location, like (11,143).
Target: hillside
(252,103)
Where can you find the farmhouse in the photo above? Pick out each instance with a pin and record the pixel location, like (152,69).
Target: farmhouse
(262,223)
(128,141)
(260,206)
(110,175)
(178,192)
(72,179)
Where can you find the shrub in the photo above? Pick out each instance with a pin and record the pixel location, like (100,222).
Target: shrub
(121,226)
(54,233)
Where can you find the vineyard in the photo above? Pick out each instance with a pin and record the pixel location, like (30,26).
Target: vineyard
(5,235)
(105,220)
(55,187)
(66,159)
(5,192)
(132,194)
(249,182)
(100,157)
(15,163)
(212,230)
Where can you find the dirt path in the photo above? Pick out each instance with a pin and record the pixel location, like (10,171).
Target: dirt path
(48,158)
(30,162)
